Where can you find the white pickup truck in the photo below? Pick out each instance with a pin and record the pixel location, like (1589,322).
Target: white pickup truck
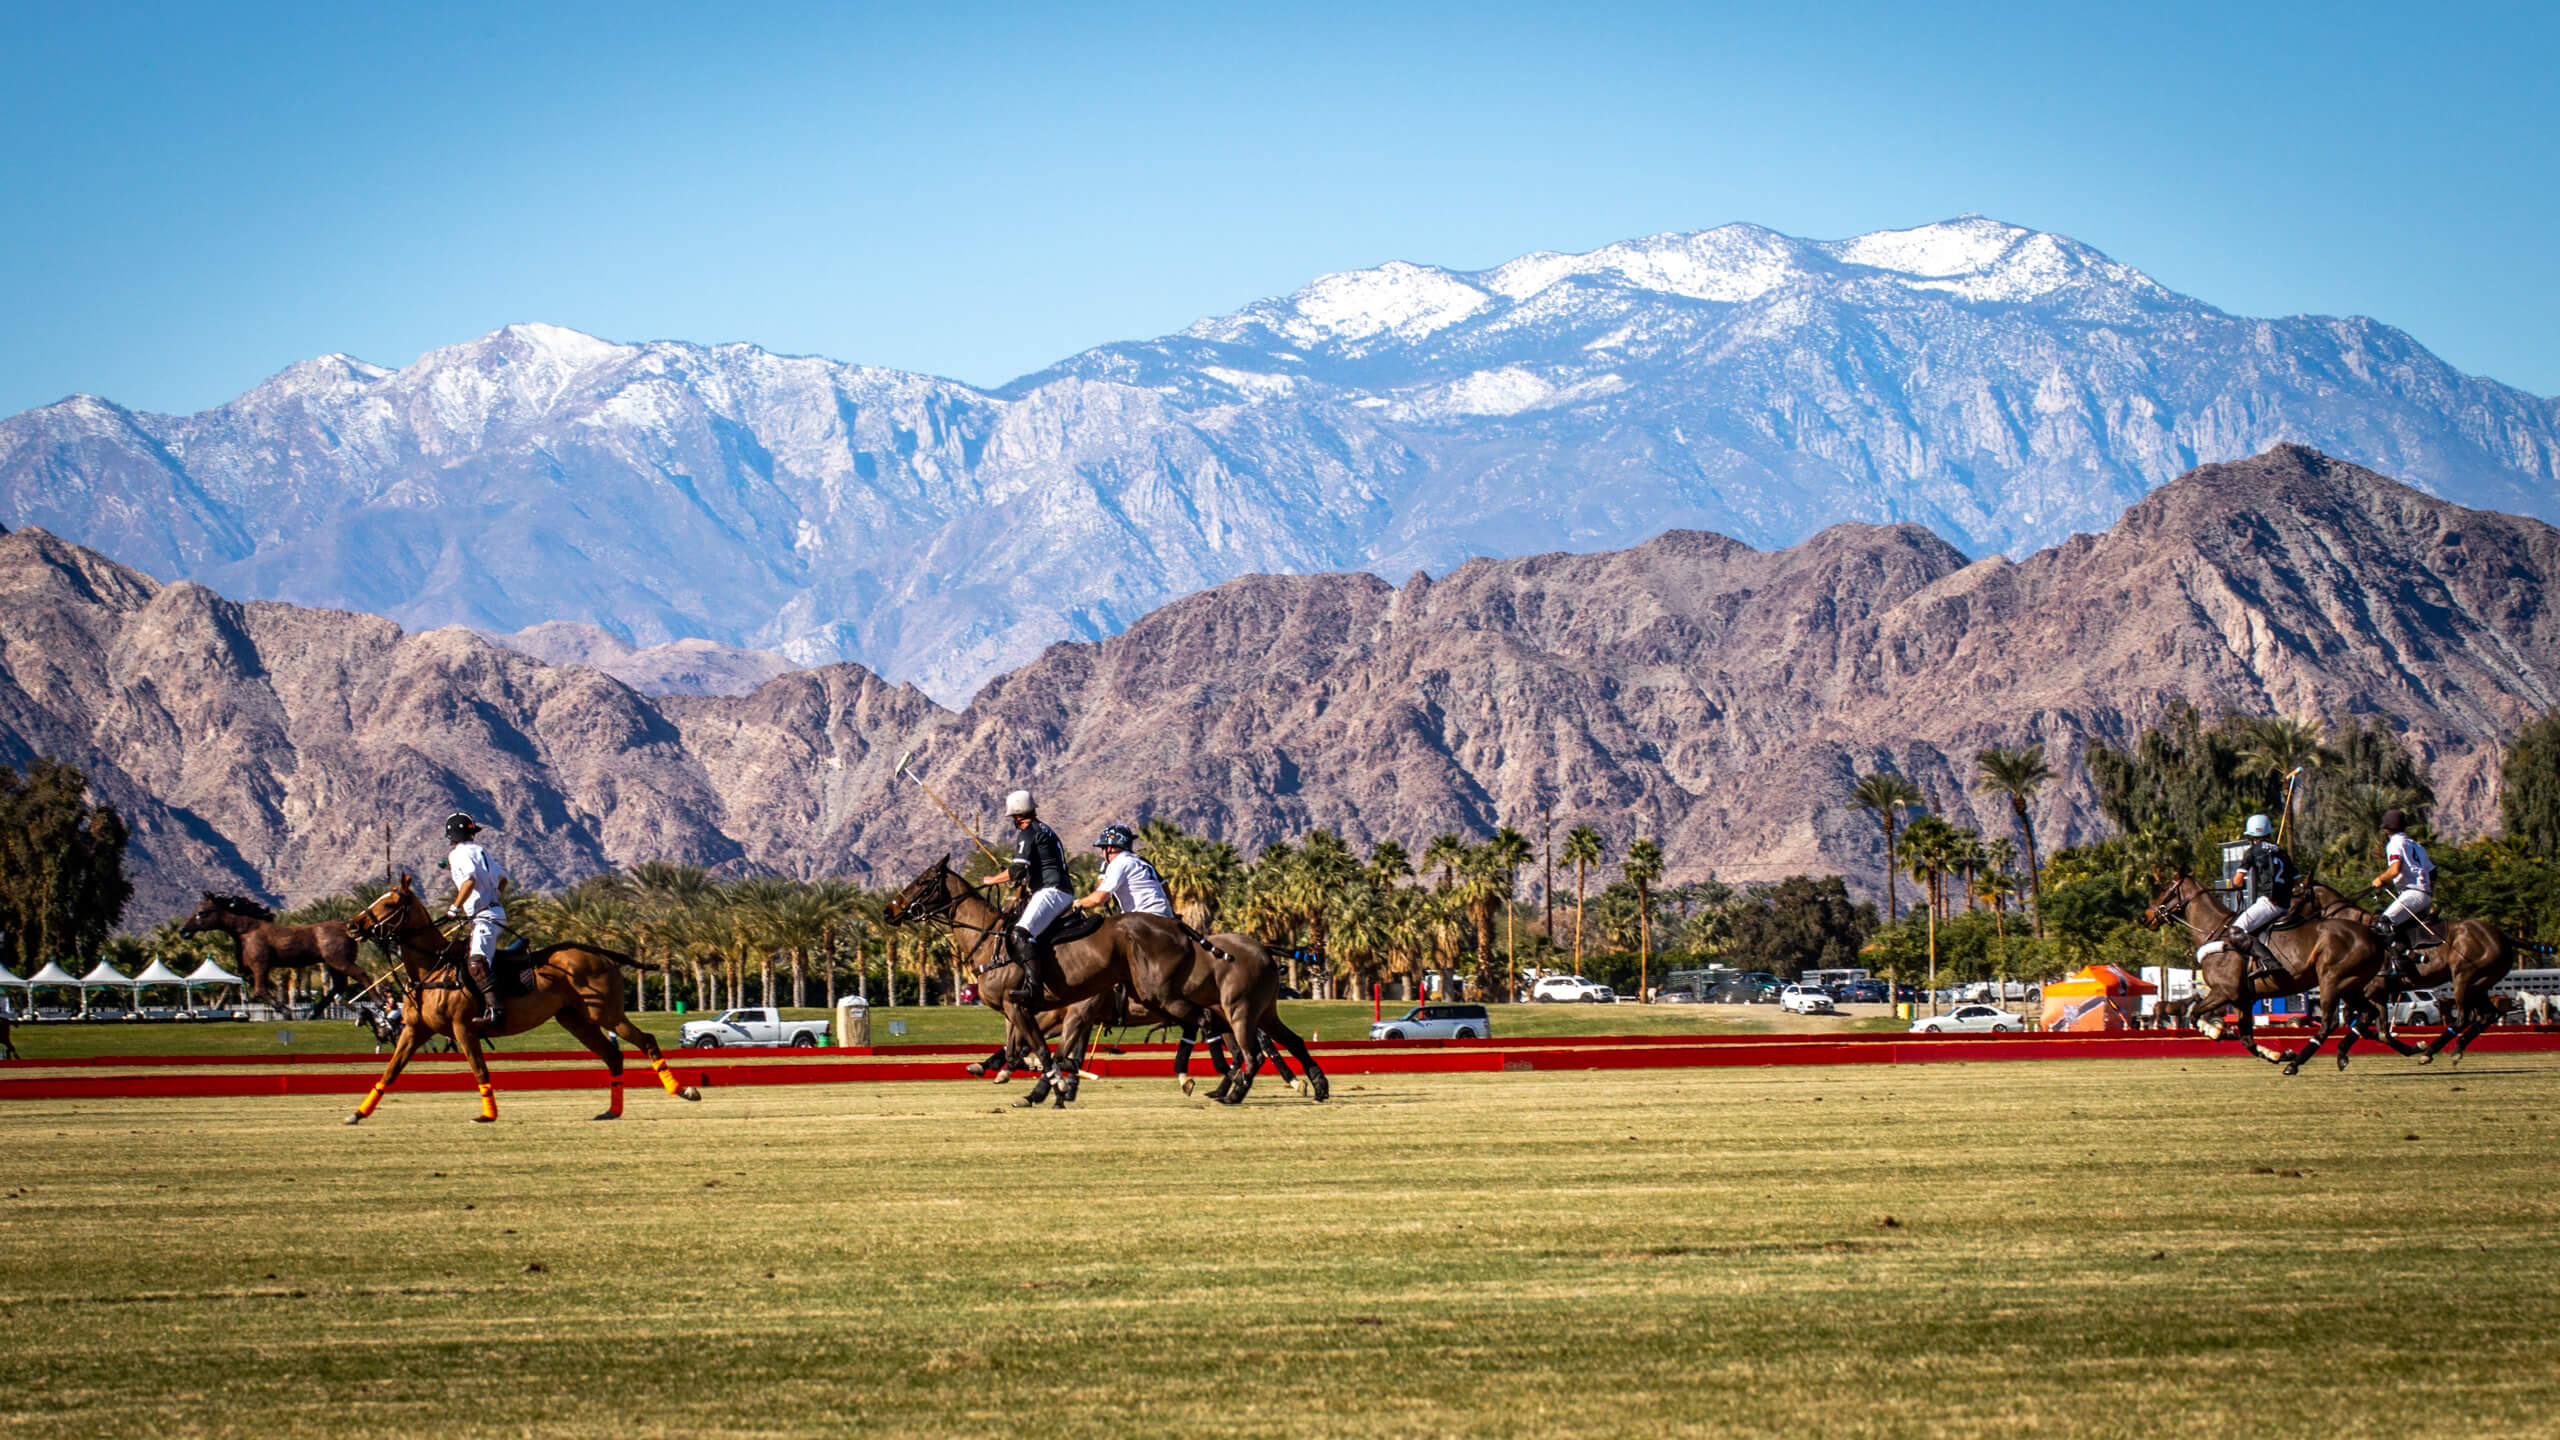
(752,1028)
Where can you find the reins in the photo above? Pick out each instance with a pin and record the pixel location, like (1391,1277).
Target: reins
(943,909)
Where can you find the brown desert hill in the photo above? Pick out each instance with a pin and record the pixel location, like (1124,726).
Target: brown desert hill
(1719,697)
(1725,699)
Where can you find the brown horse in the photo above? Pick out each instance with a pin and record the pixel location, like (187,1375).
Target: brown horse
(1119,1012)
(580,986)
(1152,957)
(2471,956)
(2340,959)
(263,946)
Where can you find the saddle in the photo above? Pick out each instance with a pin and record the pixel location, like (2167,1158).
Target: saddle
(1074,925)
(515,970)
(512,967)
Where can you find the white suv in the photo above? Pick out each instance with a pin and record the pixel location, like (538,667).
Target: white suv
(1436,1022)
(1571,987)
(1807,1000)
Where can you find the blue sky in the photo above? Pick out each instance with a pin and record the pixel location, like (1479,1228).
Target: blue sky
(195,197)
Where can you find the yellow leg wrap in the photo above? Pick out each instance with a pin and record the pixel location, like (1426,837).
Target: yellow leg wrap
(488,1103)
(372,1098)
(666,1076)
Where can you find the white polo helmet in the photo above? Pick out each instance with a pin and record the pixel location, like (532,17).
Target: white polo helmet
(1019,803)
(2258,828)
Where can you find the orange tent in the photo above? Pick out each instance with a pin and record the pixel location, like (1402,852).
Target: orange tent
(2100,997)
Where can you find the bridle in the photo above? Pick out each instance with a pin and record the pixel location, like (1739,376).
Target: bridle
(942,907)
(2170,906)
(393,933)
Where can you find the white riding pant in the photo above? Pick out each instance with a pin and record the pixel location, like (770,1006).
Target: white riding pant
(2261,913)
(1042,911)
(484,933)
(2406,904)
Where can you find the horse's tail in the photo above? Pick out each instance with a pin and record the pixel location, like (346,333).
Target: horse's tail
(1204,942)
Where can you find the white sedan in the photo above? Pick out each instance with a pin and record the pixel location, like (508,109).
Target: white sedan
(1807,1000)
(1969,1020)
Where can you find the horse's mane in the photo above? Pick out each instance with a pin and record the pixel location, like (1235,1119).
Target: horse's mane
(240,905)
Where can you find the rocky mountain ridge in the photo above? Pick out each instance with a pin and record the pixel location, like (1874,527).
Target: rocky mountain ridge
(2001,386)
(1720,697)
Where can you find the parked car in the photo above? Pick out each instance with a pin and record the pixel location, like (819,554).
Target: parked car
(1571,987)
(1863,992)
(1969,1020)
(1807,1000)
(2418,1007)
(759,1028)
(1436,1022)
(1751,987)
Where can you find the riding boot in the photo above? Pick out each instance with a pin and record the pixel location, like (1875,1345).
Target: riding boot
(493,1015)
(1026,959)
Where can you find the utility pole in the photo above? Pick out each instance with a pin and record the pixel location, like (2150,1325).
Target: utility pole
(1547,842)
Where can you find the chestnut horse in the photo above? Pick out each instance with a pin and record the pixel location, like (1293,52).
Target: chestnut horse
(2338,958)
(261,945)
(579,986)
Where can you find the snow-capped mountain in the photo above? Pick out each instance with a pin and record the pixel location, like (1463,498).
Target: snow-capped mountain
(2003,386)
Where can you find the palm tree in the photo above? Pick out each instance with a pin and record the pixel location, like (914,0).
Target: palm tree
(1389,866)
(1583,848)
(1509,850)
(1642,867)
(1968,860)
(1445,853)
(1927,844)
(2276,748)
(1360,929)
(1480,892)
(2019,773)
(1884,794)
(1198,875)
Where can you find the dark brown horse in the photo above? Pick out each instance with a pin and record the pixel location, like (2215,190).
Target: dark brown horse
(2471,956)
(2337,958)
(263,946)
(1119,1012)
(1152,957)
(580,986)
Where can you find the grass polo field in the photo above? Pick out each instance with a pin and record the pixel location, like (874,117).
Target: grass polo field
(2097,1247)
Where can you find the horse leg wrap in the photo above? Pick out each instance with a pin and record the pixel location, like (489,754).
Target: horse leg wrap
(372,1098)
(488,1103)
(615,1106)
(666,1076)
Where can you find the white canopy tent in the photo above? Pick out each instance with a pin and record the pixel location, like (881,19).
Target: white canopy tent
(103,976)
(208,973)
(12,980)
(156,973)
(52,974)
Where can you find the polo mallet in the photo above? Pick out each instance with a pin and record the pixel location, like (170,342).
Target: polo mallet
(965,829)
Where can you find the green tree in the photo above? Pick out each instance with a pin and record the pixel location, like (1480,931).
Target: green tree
(2529,788)
(1444,854)
(1928,844)
(1389,865)
(1884,795)
(1803,922)
(2019,773)
(1642,867)
(1507,851)
(1583,848)
(62,883)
